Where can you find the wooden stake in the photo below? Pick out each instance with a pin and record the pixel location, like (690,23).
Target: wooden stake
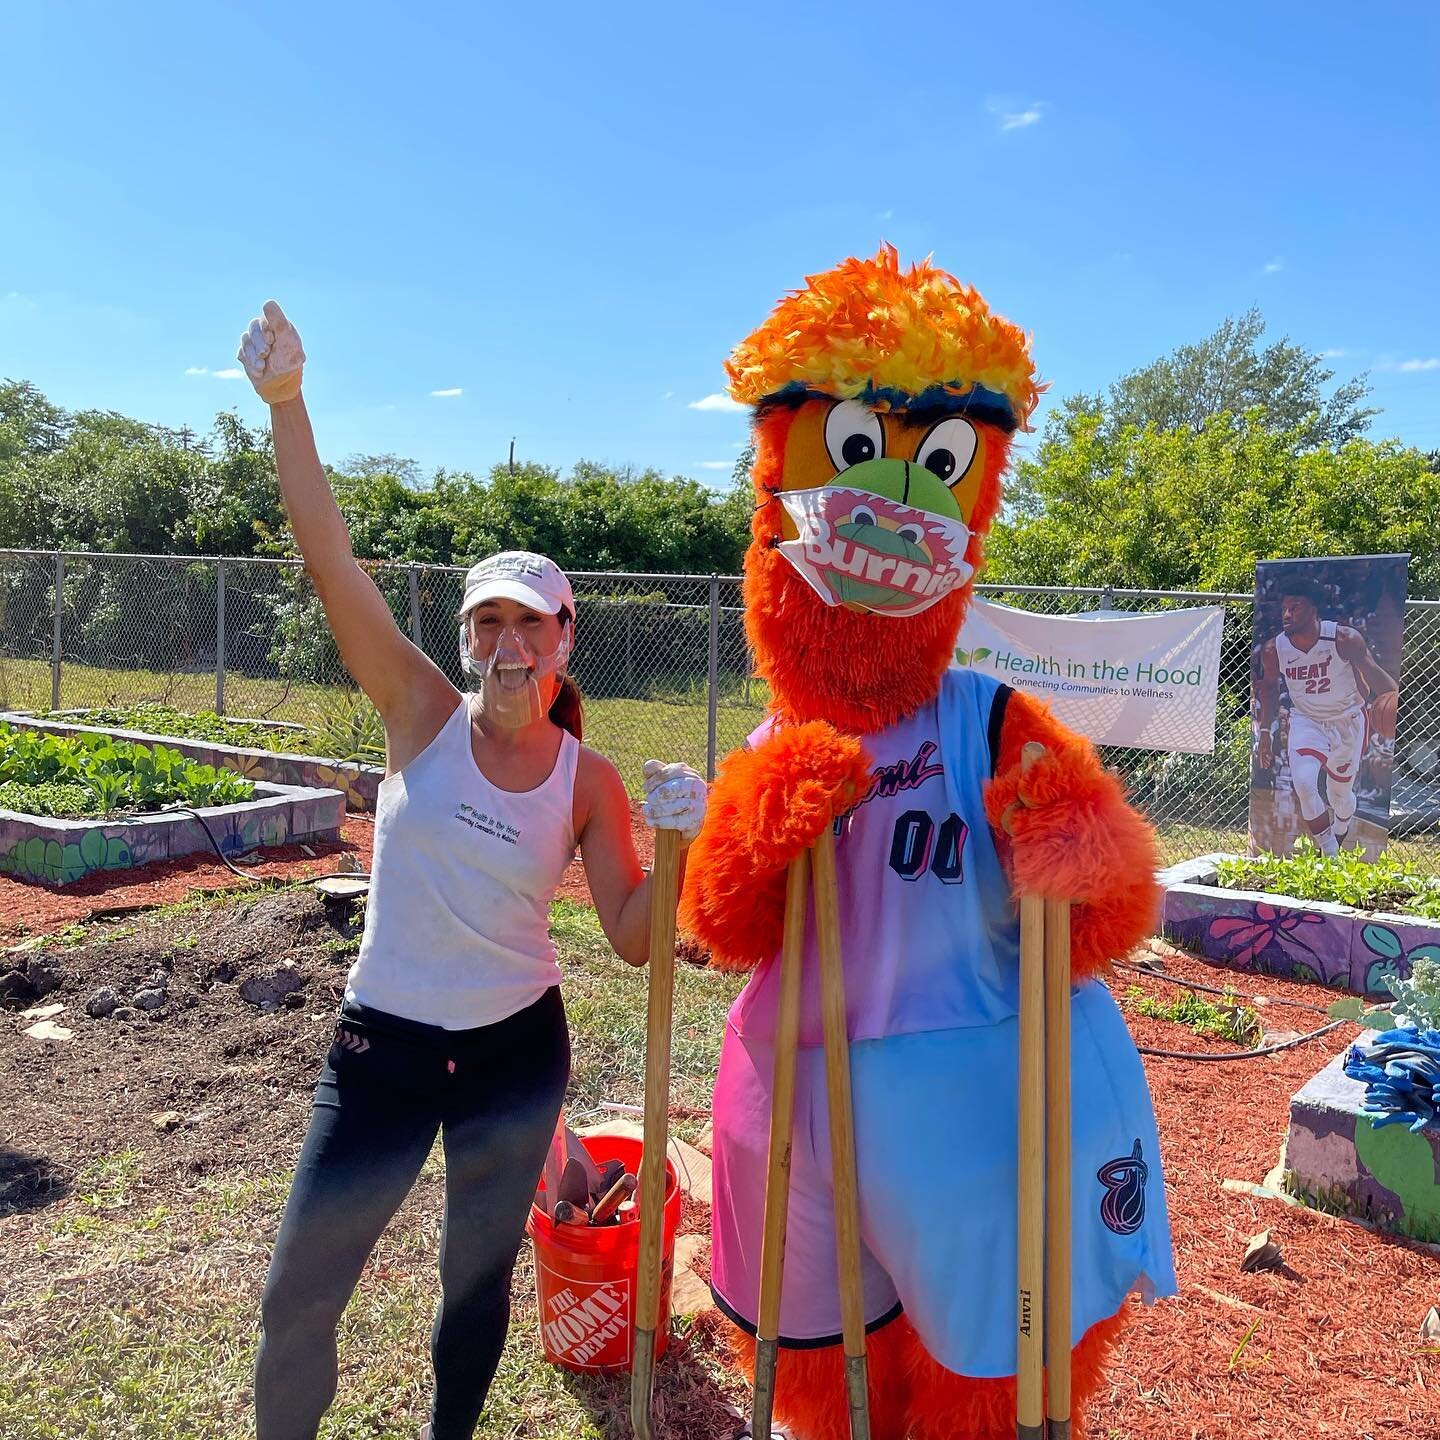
(664,897)
(1057,1169)
(842,1134)
(782,1125)
(1030,1240)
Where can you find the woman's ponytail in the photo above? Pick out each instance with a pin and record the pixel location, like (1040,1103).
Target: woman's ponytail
(566,710)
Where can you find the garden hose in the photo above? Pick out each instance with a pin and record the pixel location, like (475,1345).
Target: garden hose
(215,845)
(1218,990)
(1242,1054)
(253,879)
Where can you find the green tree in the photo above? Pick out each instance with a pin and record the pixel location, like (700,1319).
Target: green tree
(1230,371)
(1193,509)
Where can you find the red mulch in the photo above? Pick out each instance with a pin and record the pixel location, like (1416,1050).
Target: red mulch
(1336,1352)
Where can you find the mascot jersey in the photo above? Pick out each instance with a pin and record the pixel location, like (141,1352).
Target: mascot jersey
(930,938)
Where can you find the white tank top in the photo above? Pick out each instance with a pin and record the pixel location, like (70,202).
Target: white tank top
(1320,680)
(457,927)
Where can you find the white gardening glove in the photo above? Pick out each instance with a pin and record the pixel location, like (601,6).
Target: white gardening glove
(674,799)
(272,355)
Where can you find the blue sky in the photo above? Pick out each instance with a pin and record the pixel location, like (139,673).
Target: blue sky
(553,221)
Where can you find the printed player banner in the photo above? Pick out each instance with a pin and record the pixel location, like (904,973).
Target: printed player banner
(1146,681)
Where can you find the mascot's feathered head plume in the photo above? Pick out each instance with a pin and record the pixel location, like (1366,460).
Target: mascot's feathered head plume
(892,339)
(885,401)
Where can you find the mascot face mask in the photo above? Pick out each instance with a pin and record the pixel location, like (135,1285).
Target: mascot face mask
(884,533)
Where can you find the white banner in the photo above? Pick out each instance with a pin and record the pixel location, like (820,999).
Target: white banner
(1145,681)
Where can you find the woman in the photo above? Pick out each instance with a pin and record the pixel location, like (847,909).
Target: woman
(452,1020)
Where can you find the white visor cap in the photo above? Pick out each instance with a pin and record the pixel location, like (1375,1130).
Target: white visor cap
(518,575)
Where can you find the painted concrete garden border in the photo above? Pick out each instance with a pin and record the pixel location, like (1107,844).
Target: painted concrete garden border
(358,783)
(1314,940)
(58,852)
(1334,1158)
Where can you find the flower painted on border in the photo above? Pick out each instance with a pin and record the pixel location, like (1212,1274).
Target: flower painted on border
(332,777)
(1248,937)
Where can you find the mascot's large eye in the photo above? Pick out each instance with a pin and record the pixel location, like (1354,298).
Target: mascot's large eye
(853,434)
(948,449)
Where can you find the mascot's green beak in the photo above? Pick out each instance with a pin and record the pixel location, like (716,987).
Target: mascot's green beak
(905,482)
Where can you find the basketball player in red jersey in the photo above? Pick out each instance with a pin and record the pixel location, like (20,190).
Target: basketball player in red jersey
(1331,677)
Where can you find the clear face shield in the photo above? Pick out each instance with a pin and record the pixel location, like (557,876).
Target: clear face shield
(513,686)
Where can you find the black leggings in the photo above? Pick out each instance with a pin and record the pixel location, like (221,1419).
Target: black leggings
(389,1084)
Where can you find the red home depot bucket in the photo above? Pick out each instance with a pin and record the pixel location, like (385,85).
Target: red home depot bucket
(585,1275)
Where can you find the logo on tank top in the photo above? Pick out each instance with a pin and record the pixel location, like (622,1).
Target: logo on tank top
(1123,1208)
(488,824)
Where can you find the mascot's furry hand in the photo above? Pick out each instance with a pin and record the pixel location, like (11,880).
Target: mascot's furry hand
(767,806)
(272,355)
(1067,832)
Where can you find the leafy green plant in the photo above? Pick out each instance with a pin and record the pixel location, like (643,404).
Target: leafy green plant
(348,727)
(1418,998)
(204,725)
(1362,1013)
(117,775)
(50,797)
(344,728)
(1346,879)
(1225,1020)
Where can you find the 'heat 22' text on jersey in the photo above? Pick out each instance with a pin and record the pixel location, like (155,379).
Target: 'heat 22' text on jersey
(1321,682)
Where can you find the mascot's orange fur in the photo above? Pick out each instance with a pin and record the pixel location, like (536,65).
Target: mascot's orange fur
(909,346)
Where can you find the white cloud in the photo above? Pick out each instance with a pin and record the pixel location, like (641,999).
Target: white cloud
(448,394)
(668,395)
(1432,363)
(1334,354)
(1011,118)
(197,370)
(717,464)
(886,215)
(1273,267)
(715,402)
(231,374)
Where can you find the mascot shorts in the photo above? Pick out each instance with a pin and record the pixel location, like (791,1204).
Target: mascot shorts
(935,1135)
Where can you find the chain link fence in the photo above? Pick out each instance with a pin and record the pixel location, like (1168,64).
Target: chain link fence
(662,661)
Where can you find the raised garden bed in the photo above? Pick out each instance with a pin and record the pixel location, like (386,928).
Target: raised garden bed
(55,851)
(358,783)
(1315,940)
(1336,1160)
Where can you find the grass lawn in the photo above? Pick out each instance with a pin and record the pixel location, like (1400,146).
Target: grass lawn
(128,1309)
(628,731)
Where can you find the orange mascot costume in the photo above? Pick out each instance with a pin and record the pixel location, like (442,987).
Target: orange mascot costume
(885,401)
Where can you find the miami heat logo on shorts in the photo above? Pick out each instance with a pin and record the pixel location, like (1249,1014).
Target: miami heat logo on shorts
(1123,1208)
